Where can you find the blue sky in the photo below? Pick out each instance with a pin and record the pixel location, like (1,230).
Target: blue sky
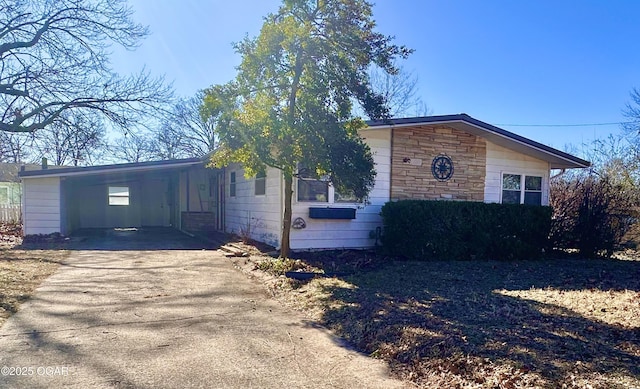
(502,62)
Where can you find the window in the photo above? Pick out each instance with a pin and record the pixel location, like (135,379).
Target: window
(533,190)
(232,184)
(311,189)
(118,195)
(511,188)
(260,184)
(4,195)
(519,189)
(344,197)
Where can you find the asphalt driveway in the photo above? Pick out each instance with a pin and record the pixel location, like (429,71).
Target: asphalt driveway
(122,313)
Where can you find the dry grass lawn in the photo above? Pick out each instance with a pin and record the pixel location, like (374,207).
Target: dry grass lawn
(547,324)
(22,271)
(518,324)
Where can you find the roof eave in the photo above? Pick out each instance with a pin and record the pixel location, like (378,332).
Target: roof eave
(116,168)
(556,158)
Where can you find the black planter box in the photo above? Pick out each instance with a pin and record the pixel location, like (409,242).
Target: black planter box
(332,213)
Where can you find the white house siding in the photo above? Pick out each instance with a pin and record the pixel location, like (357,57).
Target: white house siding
(256,216)
(329,234)
(502,160)
(41,205)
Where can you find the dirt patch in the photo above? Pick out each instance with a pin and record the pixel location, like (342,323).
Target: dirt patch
(552,323)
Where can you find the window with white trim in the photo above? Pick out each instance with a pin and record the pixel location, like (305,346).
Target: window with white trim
(312,189)
(521,189)
(260,184)
(118,195)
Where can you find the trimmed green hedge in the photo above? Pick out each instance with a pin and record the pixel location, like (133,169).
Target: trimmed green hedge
(426,230)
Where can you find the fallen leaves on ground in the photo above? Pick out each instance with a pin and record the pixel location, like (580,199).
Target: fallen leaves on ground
(10,235)
(551,324)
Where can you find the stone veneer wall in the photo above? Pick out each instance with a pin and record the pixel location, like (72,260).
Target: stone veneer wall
(413,179)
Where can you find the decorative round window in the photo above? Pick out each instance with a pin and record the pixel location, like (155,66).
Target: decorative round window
(442,167)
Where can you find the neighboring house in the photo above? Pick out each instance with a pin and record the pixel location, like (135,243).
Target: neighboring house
(453,157)
(10,192)
(9,184)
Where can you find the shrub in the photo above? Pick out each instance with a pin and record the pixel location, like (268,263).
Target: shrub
(424,230)
(591,213)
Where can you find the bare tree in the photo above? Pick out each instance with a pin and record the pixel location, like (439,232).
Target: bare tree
(134,147)
(632,112)
(75,138)
(400,92)
(189,131)
(15,148)
(54,58)
(168,142)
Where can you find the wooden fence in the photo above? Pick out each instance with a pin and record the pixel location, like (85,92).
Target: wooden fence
(10,213)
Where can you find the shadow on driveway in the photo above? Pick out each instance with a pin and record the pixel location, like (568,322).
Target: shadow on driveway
(168,313)
(138,239)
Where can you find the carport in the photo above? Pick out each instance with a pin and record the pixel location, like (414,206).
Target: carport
(183,194)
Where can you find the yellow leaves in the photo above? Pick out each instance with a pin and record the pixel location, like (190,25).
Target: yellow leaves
(221,157)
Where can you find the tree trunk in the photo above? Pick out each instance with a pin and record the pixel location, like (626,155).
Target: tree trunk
(288,176)
(286,218)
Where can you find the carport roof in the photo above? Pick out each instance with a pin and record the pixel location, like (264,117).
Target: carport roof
(557,159)
(115,168)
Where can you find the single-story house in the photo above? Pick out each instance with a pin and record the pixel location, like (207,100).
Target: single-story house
(11,191)
(451,157)
(9,184)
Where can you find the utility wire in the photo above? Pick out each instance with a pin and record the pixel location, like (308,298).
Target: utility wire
(568,125)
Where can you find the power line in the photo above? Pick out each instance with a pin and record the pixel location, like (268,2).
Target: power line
(568,125)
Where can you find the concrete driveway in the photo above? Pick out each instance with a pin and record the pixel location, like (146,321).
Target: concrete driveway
(122,314)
